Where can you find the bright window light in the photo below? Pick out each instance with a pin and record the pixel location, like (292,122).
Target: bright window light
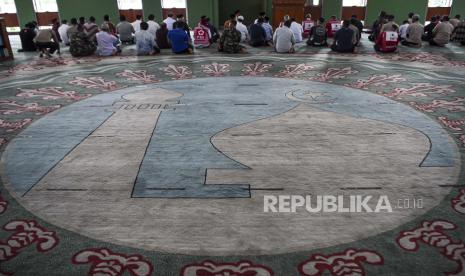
(7,6)
(169,4)
(130,4)
(354,3)
(439,3)
(45,5)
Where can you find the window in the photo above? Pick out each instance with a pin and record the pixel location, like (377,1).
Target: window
(130,4)
(354,3)
(439,3)
(178,4)
(312,3)
(7,6)
(45,5)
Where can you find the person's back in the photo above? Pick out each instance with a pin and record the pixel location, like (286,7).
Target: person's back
(458,34)
(403,30)
(297,29)
(284,39)
(414,32)
(136,23)
(387,41)
(333,26)
(257,34)
(442,33)
(73,28)
(268,29)
(242,29)
(390,26)
(153,26)
(27,36)
(145,41)
(62,31)
(201,36)
(179,40)
(169,21)
(318,34)
(162,37)
(125,30)
(455,21)
(343,39)
(230,39)
(91,28)
(307,25)
(80,45)
(355,36)
(106,42)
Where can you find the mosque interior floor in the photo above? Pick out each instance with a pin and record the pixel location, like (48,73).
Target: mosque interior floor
(162,165)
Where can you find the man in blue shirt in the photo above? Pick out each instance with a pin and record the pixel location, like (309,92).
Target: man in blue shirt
(180,40)
(343,39)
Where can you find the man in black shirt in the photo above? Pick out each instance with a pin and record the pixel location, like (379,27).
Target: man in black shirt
(257,34)
(318,34)
(343,39)
(429,29)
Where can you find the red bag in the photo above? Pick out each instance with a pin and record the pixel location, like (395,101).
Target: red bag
(388,41)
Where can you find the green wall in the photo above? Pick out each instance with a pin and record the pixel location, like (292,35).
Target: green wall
(331,7)
(97,8)
(399,8)
(458,7)
(249,9)
(197,8)
(152,7)
(25,11)
(218,10)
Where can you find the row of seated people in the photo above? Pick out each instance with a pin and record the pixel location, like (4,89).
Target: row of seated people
(86,38)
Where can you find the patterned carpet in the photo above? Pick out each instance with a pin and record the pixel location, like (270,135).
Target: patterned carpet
(430,81)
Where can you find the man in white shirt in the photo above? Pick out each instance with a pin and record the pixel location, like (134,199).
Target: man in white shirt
(136,24)
(403,30)
(297,29)
(62,31)
(145,41)
(283,39)
(153,26)
(169,21)
(242,28)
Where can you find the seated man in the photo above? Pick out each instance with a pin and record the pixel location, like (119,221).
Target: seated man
(268,29)
(414,33)
(106,42)
(80,44)
(145,41)
(458,35)
(242,28)
(231,39)
(297,29)
(333,26)
(387,41)
(180,39)
(343,39)
(257,34)
(47,42)
(442,33)
(202,35)
(307,25)
(125,30)
(62,30)
(428,31)
(91,28)
(354,28)
(213,31)
(284,39)
(162,37)
(318,34)
(27,36)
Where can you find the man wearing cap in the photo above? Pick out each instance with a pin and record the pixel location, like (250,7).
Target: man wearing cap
(242,29)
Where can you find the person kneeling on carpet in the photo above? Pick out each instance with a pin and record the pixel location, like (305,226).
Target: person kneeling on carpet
(180,39)
(343,39)
(231,39)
